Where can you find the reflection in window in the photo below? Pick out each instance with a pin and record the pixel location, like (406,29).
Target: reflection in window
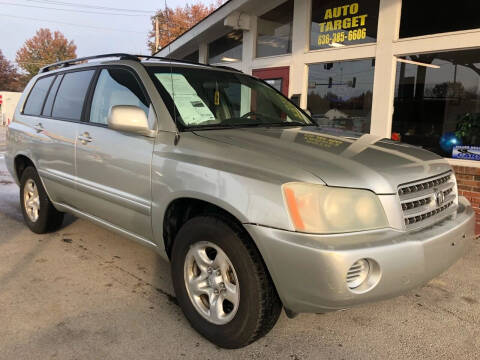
(340,94)
(437,102)
(339,23)
(47,108)
(228,48)
(275,31)
(462,15)
(217,98)
(71,95)
(191,57)
(36,98)
(275,83)
(115,87)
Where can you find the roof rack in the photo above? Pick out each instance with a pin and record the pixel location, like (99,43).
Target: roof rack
(227,68)
(124,56)
(71,62)
(186,62)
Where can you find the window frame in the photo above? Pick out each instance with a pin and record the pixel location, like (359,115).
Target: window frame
(255,38)
(82,115)
(399,38)
(63,73)
(224,62)
(310,23)
(93,86)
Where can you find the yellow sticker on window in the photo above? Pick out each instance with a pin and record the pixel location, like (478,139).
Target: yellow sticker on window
(217,98)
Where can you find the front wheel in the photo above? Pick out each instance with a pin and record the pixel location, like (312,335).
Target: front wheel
(221,282)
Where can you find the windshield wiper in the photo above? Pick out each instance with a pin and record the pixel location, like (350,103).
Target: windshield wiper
(222,126)
(245,125)
(285,123)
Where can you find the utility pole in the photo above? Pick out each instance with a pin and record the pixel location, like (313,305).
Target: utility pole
(157,34)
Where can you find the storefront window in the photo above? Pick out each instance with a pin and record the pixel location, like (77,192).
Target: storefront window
(275,31)
(340,94)
(228,48)
(431,17)
(339,23)
(437,103)
(191,57)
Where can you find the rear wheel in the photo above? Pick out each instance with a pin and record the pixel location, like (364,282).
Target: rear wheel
(221,282)
(37,209)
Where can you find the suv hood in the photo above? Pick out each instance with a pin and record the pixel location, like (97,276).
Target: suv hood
(345,160)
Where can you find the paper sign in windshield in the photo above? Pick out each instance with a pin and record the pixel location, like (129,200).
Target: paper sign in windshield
(191,107)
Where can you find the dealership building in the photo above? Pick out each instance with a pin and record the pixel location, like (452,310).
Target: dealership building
(402,69)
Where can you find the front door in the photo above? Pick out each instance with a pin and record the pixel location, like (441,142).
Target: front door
(113,167)
(276,77)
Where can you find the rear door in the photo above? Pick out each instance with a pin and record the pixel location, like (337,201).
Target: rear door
(114,167)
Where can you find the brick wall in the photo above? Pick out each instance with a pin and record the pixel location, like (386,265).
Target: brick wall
(468,179)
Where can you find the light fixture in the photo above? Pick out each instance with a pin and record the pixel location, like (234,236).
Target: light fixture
(418,63)
(229,59)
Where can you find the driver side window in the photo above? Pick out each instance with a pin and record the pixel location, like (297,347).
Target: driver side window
(115,87)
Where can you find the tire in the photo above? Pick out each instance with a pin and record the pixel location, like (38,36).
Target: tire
(46,218)
(258,306)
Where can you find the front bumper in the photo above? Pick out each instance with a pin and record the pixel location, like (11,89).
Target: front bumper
(309,271)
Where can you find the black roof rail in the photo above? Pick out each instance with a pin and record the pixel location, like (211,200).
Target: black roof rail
(227,68)
(187,62)
(169,59)
(70,62)
(124,56)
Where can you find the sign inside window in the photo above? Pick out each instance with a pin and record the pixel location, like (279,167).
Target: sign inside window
(337,25)
(191,107)
(466,152)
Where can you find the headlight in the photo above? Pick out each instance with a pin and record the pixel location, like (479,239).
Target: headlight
(322,209)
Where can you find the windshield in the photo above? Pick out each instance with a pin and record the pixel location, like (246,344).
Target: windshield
(209,98)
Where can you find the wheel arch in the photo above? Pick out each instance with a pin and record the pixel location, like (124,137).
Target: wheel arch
(20,163)
(182,209)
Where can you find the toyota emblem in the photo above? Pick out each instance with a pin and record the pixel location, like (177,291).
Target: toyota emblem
(439,197)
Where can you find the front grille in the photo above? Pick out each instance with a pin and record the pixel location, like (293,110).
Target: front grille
(426,201)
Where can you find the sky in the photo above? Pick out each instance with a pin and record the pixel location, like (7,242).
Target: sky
(92,33)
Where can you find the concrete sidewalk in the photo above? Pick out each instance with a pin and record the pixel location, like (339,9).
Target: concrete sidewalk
(86,293)
(3,145)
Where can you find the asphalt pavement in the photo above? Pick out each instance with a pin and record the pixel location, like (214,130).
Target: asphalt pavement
(86,293)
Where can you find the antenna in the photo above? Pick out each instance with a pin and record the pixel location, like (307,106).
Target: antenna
(177,134)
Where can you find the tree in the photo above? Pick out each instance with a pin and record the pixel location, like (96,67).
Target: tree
(174,22)
(9,77)
(43,49)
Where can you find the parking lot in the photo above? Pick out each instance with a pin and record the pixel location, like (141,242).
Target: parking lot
(86,293)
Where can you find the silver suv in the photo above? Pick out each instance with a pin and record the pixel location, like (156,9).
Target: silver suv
(255,207)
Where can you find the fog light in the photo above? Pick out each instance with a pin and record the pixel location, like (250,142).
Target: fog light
(358,273)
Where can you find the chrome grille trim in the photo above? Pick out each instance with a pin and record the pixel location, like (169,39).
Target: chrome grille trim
(419,202)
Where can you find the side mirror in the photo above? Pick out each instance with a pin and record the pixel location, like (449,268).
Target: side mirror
(129,118)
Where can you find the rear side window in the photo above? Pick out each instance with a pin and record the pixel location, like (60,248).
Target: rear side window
(35,100)
(116,87)
(71,95)
(47,108)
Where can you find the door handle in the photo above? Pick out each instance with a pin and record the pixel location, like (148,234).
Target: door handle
(84,138)
(39,127)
